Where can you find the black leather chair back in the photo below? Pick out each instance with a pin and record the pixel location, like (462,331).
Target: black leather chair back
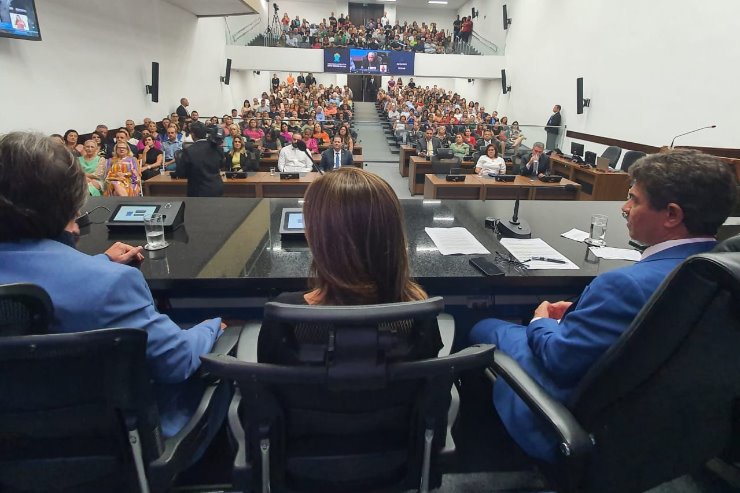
(66,403)
(442,166)
(629,159)
(25,309)
(612,153)
(351,414)
(659,402)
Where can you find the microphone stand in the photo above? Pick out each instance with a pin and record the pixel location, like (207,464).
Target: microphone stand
(515,227)
(691,132)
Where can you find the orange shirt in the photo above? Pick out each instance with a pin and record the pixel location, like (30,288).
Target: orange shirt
(331,111)
(290,80)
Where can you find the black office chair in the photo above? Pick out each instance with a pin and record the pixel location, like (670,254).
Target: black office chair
(77,413)
(351,414)
(659,403)
(443,161)
(612,153)
(629,159)
(25,309)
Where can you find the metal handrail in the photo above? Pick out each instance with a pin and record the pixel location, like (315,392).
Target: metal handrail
(246,30)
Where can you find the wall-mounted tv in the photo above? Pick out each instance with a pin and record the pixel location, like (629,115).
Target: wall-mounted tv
(18,20)
(376,62)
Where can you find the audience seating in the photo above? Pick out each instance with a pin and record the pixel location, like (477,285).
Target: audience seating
(25,309)
(77,414)
(612,153)
(629,159)
(347,417)
(659,403)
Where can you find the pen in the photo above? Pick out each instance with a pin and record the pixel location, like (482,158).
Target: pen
(547,259)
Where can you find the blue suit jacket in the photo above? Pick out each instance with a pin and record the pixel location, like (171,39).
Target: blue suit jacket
(558,355)
(92,293)
(327,159)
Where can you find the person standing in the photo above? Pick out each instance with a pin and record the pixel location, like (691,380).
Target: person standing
(553,128)
(456,25)
(182,111)
(201,163)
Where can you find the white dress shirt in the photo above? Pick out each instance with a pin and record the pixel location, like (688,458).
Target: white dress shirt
(292,160)
(487,165)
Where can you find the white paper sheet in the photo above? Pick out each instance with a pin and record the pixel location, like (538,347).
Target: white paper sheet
(616,253)
(523,250)
(451,241)
(575,234)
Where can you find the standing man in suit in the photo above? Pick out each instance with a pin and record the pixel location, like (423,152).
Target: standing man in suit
(182,111)
(335,157)
(301,79)
(676,203)
(553,128)
(201,162)
(538,163)
(428,145)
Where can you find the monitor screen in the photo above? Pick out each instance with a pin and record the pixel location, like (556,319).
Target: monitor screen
(295,220)
(18,20)
(376,62)
(576,149)
(134,213)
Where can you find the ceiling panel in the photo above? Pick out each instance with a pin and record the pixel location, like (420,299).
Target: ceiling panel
(213,8)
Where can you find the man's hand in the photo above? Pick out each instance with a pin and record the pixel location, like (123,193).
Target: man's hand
(552,310)
(122,253)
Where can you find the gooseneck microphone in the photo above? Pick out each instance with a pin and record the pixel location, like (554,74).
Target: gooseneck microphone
(515,227)
(691,132)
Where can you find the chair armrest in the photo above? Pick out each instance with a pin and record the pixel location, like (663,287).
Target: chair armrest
(246,350)
(575,442)
(446,324)
(227,342)
(242,469)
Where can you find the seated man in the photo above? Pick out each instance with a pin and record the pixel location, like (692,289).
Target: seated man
(537,164)
(428,145)
(295,157)
(677,202)
(42,188)
(335,157)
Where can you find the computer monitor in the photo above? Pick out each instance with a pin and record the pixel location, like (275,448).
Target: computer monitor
(576,149)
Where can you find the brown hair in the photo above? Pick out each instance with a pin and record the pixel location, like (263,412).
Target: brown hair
(354,227)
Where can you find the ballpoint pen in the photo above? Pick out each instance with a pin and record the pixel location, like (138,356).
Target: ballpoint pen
(547,259)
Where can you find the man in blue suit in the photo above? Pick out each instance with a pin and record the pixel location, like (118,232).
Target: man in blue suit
(335,157)
(42,188)
(676,203)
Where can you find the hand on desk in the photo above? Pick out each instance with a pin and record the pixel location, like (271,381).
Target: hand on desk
(122,253)
(552,310)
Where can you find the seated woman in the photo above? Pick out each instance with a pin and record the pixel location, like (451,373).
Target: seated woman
(240,157)
(311,143)
(253,131)
(459,148)
(320,134)
(229,139)
(286,136)
(150,159)
(490,162)
(70,141)
(515,137)
(270,143)
(347,142)
(122,173)
(373,267)
(94,167)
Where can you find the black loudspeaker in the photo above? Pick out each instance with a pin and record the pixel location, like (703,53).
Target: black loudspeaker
(226,78)
(580,101)
(507,21)
(504,86)
(153,89)
(590,158)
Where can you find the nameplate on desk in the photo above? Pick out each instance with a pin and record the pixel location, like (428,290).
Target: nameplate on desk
(551,179)
(506,178)
(236,175)
(455,178)
(289,176)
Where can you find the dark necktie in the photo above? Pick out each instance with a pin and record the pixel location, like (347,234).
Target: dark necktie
(336,160)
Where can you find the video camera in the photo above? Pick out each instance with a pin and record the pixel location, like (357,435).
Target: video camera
(216,134)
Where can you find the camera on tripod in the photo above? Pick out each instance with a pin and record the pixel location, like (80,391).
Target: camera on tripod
(275,7)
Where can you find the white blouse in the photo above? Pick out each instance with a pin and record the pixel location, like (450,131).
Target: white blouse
(487,165)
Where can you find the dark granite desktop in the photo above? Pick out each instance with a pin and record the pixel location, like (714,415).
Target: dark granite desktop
(232,246)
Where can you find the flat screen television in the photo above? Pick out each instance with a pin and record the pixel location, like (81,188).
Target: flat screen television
(375,62)
(18,20)
(576,149)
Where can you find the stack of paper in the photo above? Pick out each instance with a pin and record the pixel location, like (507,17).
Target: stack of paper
(450,241)
(575,234)
(611,253)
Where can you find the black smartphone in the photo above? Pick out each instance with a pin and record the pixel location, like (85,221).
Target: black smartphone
(486,266)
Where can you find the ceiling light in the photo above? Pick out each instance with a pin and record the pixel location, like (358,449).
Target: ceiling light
(438,2)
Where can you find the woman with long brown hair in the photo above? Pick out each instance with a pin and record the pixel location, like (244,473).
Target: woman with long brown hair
(355,231)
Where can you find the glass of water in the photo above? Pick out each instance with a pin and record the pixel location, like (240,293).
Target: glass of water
(154,226)
(598,230)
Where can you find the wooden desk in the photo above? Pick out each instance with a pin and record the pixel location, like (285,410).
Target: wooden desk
(420,166)
(267,162)
(479,188)
(595,184)
(405,152)
(259,185)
